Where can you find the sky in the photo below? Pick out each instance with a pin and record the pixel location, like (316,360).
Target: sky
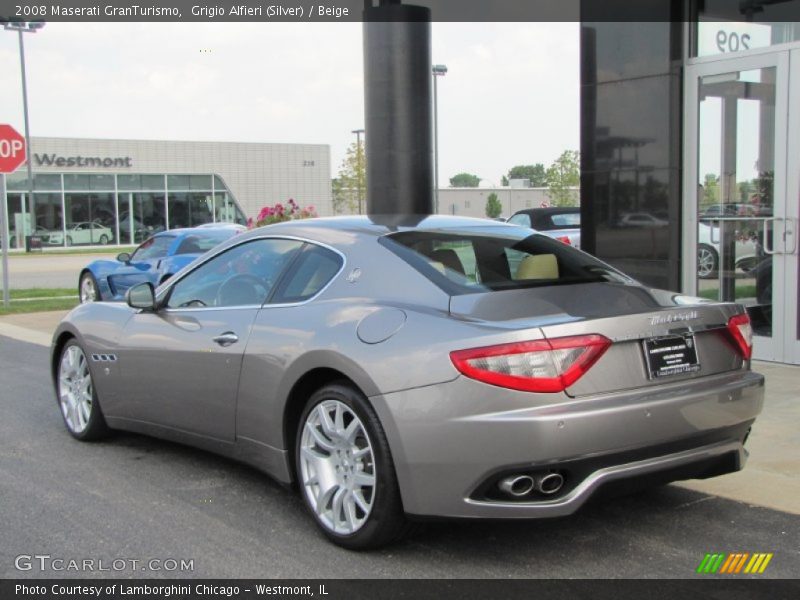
(511,94)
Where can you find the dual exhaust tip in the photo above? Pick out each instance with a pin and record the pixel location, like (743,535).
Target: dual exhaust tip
(518,486)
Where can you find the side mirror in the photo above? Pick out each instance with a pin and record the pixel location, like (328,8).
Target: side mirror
(124,257)
(142,296)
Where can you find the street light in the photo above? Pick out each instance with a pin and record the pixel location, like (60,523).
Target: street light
(438,71)
(359,166)
(25,27)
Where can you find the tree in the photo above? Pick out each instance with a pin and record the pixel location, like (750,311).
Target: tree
(535,173)
(465,180)
(351,185)
(493,206)
(710,190)
(562,176)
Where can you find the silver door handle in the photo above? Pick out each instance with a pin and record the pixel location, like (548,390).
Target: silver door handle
(790,231)
(227,338)
(767,250)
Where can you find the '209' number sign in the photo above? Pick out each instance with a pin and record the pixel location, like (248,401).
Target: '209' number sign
(732,42)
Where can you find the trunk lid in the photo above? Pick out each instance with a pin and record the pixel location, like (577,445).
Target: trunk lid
(625,314)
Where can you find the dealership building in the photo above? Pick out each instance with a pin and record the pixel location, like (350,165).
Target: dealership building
(101,191)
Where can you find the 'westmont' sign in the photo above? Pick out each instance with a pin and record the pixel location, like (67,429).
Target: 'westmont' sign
(54,160)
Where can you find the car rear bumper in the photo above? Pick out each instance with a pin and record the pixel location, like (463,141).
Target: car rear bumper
(453,441)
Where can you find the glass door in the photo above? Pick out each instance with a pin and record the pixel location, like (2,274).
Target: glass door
(791,228)
(735,191)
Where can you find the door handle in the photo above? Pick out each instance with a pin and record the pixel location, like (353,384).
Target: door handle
(226,339)
(765,245)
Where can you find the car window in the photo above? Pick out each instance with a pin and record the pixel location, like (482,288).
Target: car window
(566,220)
(520,219)
(155,247)
(312,271)
(470,261)
(241,276)
(197,244)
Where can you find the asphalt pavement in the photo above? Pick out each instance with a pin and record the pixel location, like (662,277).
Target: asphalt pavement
(48,270)
(136,498)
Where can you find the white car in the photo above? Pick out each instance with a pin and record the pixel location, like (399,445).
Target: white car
(708,239)
(83,233)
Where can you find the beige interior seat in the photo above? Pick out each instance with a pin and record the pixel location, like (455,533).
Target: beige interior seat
(449,258)
(540,266)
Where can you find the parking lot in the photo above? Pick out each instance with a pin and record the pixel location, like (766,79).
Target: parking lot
(135,498)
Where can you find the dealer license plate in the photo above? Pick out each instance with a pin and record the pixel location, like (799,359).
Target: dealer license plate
(673,355)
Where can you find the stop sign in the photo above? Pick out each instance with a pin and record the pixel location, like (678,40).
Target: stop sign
(12,149)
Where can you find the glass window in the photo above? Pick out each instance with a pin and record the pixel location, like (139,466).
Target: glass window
(155,247)
(566,220)
(188,182)
(83,182)
(43,182)
(503,260)
(520,219)
(314,268)
(136,183)
(83,209)
(140,216)
(723,29)
(189,209)
(205,241)
(49,218)
(241,276)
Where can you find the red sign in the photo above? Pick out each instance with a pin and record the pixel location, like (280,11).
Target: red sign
(12,149)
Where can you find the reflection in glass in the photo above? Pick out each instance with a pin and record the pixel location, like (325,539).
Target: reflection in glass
(188,209)
(736,165)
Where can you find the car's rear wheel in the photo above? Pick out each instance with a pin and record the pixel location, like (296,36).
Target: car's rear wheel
(77,397)
(103,239)
(707,261)
(87,288)
(345,471)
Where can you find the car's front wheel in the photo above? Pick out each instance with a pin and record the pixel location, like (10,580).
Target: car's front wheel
(87,288)
(103,239)
(77,397)
(345,471)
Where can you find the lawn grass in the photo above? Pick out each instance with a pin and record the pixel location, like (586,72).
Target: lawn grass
(42,293)
(39,305)
(742,291)
(38,300)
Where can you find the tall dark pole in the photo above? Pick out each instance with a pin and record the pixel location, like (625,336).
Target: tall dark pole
(25,27)
(31,205)
(438,71)
(397,94)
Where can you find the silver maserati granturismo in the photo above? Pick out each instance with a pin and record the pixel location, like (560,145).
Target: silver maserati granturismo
(417,367)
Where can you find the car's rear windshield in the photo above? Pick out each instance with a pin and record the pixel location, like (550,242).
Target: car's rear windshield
(473,259)
(556,220)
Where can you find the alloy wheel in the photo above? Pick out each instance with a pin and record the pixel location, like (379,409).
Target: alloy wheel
(706,262)
(337,467)
(75,389)
(88,289)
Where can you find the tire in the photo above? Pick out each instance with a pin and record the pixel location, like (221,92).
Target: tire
(103,239)
(69,240)
(87,289)
(352,512)
(707,261)
(76,395)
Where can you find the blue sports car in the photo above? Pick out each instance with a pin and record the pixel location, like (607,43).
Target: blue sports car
(155,260)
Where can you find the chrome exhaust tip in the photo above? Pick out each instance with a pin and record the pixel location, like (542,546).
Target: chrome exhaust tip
(517,485)
(549,484)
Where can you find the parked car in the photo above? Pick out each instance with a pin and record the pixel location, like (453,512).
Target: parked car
(359,360)
(155,260)
(560,222)
(708,238)
(642,219)
(39,231)
(87,232)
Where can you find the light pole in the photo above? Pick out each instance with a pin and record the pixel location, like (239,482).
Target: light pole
(438,71)
(359,165)
(25,27)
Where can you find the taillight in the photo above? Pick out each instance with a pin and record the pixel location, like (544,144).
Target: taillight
(538,366)
(565,239)
(742,332)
